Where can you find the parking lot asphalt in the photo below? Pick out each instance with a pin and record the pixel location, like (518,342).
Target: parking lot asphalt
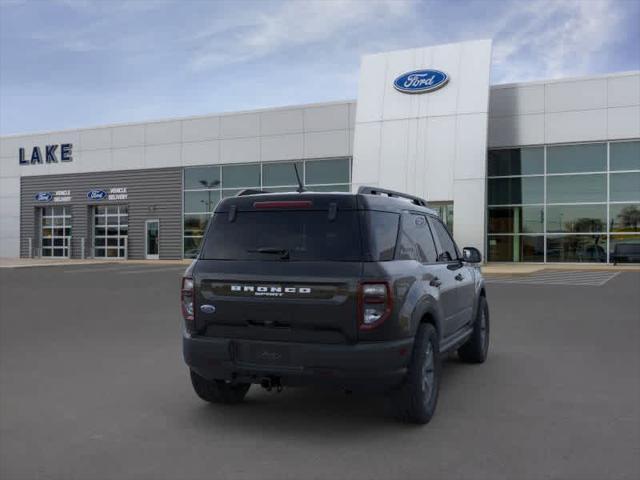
(92,386)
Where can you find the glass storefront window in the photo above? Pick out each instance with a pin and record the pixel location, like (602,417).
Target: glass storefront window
(231,192)
(531,248)
(516,161)
(576,218)
(280,174)
(241,176)
(319,172)
(576,248)
(329,188)
(201,201)
(582,215)
(624,217)
(516,220)
(205,186)
(576,188)
(194,225)
(624,249)
(201,177)
(624,156)
(516,191)
(500,248)
(624,187)
(515,248)
(292,188)
(445,212)
(191,246)
(591,157)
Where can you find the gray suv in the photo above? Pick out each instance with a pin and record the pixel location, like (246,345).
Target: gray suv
(364,290)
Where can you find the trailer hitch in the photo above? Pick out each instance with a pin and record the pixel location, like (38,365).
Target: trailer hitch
(269,383)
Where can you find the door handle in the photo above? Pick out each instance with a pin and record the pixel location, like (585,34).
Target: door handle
(435,282)
(459,277)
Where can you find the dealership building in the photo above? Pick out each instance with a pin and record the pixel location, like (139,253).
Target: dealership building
(544,171)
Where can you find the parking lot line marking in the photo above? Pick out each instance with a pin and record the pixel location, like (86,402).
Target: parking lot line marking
(578,278)
(612,276)
(98,268)
(127,269)
(152,270)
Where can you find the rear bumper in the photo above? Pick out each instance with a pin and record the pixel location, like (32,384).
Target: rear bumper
(371,365)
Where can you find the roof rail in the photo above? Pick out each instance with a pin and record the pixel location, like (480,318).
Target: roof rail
(365,190)
(250,191)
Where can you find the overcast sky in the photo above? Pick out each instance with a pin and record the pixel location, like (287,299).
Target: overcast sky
(79,63)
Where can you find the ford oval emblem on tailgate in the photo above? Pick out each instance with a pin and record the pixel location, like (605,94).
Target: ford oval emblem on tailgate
(207,309)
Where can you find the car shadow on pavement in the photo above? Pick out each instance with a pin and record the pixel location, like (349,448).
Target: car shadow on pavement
(319,410)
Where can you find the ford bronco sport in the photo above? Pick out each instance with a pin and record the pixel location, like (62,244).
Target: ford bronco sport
(352,290)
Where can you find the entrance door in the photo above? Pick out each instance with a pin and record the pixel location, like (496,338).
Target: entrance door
(152,239)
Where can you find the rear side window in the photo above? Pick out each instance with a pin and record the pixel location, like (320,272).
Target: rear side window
(449,251)
(416,242)
(383,233)
(284,236)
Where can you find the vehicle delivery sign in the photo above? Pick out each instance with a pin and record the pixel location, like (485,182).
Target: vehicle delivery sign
(118,193)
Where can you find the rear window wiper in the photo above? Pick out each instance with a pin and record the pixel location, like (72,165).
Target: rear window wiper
(283,252)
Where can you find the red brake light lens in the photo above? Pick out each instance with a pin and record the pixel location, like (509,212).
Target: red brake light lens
(375,304)
(283,204)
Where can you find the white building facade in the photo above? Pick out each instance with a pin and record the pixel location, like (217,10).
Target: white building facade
(543,171)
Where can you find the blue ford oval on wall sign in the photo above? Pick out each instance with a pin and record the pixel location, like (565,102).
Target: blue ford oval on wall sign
(420,81)
(44,196)
(97,195)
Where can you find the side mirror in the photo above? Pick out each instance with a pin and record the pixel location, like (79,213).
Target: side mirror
(471,255)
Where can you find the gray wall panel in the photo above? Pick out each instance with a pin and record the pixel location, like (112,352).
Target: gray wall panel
(152,193)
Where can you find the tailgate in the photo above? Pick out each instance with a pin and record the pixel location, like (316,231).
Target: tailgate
(280,301)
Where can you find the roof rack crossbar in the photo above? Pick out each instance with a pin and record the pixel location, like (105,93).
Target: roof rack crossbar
(250,191)
(366,190)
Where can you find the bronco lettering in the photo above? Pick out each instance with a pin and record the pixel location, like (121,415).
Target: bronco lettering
(269,290)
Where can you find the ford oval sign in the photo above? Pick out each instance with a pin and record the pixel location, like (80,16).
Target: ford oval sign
(44,196)
(97,195)
(420,81)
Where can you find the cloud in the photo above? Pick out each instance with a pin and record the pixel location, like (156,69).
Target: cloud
(143,58)
(550,39)
(288,25)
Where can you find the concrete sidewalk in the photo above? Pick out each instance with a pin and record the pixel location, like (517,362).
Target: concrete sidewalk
(490,269)
(52,262)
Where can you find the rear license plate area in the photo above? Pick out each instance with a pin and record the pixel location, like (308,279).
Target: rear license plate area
(261,354)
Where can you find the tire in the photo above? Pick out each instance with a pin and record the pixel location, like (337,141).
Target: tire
(476,349)
(415,401)
(218,391)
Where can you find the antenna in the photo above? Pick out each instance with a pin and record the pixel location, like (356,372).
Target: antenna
(300,185)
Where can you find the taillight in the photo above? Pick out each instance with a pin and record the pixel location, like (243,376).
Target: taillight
(375,304)
(186,300)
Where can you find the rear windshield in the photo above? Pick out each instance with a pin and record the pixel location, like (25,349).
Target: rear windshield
(284,236)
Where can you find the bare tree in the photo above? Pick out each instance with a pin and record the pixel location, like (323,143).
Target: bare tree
(627,220)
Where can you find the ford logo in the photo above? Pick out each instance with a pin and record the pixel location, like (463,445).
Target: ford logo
(44,196)
(207,309)
(97,195)
(420,81)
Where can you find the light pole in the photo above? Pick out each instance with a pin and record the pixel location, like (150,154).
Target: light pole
(209,186)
